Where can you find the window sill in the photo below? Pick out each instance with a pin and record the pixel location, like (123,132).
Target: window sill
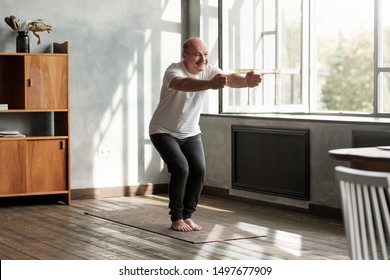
(309,117)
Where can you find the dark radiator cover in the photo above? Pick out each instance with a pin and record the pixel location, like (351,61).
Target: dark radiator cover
(271,160)
(367,138)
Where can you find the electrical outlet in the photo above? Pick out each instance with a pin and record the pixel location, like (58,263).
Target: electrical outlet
(104,153)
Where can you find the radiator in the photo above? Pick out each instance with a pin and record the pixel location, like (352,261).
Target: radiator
(366,138)
(271,160)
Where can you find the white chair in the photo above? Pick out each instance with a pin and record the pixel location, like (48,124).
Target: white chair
(365,202)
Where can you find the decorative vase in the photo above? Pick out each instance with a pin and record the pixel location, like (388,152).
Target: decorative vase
(22,42)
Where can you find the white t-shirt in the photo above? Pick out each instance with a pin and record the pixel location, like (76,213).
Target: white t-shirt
(178,112)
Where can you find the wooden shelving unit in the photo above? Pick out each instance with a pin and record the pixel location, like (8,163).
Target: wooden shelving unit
(36,89)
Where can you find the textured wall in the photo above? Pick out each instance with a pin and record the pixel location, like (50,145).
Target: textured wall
(119,50)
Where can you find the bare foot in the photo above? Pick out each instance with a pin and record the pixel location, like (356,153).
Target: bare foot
(180,225)
(193,226)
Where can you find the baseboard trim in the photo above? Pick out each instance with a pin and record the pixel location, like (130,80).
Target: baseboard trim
(313,209)
(326,211)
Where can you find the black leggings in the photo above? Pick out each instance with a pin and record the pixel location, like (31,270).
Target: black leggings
(186,164)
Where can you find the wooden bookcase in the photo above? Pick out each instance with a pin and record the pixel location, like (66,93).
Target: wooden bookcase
(36,88)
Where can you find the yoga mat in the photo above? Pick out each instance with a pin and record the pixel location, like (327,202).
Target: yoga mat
(155,220)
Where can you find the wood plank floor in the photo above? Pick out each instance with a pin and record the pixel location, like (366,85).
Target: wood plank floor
(60,232)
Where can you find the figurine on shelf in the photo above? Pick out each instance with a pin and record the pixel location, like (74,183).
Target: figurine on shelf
(35,26)
(38,25)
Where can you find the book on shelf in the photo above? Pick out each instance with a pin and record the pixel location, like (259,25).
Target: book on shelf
(11,134)
(3,106)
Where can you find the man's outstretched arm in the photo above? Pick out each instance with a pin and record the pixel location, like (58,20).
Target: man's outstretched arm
(189,84)
(249,80)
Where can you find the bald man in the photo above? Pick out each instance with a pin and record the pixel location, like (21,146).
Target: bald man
(174,128)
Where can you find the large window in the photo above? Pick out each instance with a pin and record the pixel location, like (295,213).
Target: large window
(343,44)
(315,56)
(264,36)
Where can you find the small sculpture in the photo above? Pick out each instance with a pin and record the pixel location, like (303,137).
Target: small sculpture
(38,25)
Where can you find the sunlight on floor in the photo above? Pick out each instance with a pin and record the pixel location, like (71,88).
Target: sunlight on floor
(214,209)
(286,241)
(289,242)
(256,229)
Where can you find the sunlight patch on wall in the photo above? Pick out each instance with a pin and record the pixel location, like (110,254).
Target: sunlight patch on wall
(116,144)
(131,149)
(171,10)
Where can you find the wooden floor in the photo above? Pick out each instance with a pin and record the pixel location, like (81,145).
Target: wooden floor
(60,232)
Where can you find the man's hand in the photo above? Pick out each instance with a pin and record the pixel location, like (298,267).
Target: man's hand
(218,81)
(252,79)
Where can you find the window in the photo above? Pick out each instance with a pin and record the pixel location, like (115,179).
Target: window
(382,72)
(264,36)
(343,48)
(318,56)
(209,31)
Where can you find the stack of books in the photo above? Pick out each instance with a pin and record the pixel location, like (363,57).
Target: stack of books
(3,106)
(11,134)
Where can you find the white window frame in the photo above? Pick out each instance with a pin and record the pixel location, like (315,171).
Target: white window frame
(308,61)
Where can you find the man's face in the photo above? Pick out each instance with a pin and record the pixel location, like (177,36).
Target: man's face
(196,57)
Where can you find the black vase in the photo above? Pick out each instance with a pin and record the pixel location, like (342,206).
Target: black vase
(22,42)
